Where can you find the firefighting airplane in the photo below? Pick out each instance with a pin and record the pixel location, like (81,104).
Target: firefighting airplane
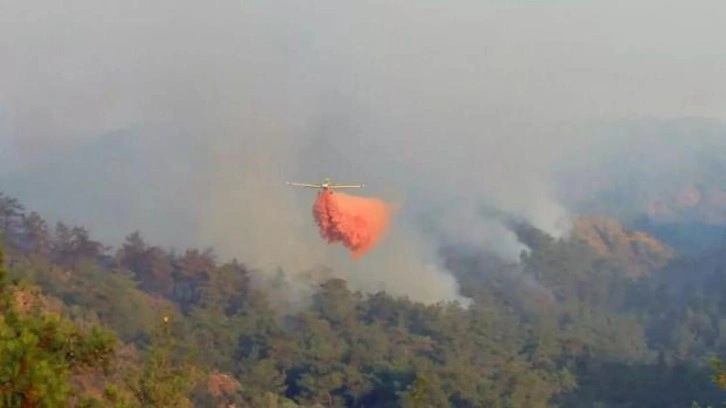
(325,185)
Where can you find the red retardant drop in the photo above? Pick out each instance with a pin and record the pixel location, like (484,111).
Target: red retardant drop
(357,222)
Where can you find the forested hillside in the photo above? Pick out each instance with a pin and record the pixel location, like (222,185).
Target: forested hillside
(571,325)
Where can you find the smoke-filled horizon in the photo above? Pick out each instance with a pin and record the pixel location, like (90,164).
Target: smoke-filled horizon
(183,120)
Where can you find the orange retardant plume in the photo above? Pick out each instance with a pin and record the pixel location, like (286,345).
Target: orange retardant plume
(357,222)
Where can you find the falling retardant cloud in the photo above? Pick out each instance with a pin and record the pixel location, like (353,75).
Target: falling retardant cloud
(443,108)
(357,222)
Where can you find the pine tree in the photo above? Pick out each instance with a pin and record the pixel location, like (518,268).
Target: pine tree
(163,380)
(39,351)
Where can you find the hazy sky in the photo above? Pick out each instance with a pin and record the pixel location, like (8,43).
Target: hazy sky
(183,118)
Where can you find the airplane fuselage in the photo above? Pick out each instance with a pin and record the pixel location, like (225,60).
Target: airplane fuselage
(325,185)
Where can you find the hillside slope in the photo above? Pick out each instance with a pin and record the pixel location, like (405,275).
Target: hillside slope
(639,253)
(566,327)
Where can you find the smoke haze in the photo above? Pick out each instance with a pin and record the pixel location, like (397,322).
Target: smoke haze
(183,120)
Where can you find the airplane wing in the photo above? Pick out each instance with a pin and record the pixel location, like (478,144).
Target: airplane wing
(304,185)
(347,186)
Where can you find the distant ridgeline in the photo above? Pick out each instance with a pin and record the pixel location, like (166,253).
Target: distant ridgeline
(685,237)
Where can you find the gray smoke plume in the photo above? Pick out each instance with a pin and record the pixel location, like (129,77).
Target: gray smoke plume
(183,119)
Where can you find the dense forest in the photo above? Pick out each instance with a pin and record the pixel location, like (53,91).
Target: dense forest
(86,325)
